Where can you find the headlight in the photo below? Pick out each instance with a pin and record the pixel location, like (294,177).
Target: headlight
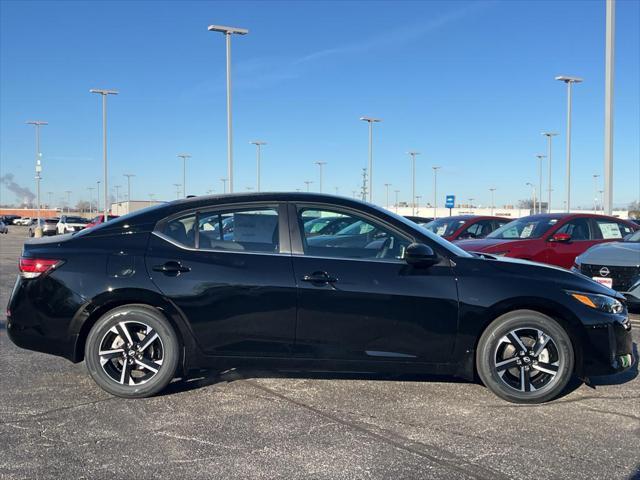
(603,303)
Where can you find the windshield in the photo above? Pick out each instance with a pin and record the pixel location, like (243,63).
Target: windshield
(527,227)
(444,227)
(77,220)
(634,237)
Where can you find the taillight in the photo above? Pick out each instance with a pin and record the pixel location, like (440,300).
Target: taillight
(34,267)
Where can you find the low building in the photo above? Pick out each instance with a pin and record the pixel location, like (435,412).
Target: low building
(122,208)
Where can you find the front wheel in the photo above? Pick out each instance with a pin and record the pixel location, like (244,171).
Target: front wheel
(132,351)
(525,357)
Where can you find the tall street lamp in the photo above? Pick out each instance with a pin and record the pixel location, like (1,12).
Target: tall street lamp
(370,121)
(595,193)
(184,157)
(540,157)
(50,194)
(533,196)
(386,186)
(224,185)
(129,175)
(177,185)
(320,164)
(607,205)
(68,192)
(91,199)
(308,183)
(569,81)
(418,197)
(117,189)
(549,136)
(228,31)
(258,144)
(98,196)
(413,180)
(38,124)
(396,192)
(104,93)
(435,191)
(492,190)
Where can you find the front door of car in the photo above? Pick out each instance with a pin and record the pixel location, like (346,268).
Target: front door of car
(229,272)
(564,252)
(358,300)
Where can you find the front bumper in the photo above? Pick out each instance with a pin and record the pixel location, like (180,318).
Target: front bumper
(608,348)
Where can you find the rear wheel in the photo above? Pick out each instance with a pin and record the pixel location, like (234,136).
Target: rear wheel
(132,351)
(525,357)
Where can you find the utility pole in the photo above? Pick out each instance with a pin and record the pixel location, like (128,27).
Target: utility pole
(224,185)
(595,193)
(492,190)
(129,175)
(435,192)
(396,192)
(386,186)
(98,196)
(91,200)
(117,188)
(608,106)
(370,121)
(258,144)
(308,183)
(104,93)
(540,157)
(320,164)
(418,197)
(549,136)
(177,185)
(38,177)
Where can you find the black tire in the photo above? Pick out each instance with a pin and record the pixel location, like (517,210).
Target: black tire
(126,374)
(516,377)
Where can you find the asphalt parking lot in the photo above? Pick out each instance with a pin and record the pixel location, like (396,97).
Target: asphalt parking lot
(56,423)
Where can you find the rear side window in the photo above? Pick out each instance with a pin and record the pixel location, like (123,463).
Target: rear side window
(240,230)
(182,230)
(612,230)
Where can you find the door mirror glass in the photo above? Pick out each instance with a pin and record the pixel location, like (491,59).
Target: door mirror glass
(561,237)
(420,255)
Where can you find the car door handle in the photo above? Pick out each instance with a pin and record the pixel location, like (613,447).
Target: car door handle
(171,268)
(319,277)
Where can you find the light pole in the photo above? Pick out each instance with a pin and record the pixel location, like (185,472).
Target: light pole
(117,188)
(38,124)
(91,199)
(258,144)
(228,31)
(386,186)
(396,192)
(549,136)
(370,121)
(601,192)
(104,93)
(98,196)
(492,189)
(471,202)
(595,193)
(129,175)
(184,157)
(607,205)
(151,195)
(307,183)
(533,196)
(540,157)
(413,181)
(435,191)
(418,197)
(569,81)
(224,185)
(321,164)
(177,185)
(68,192)
(50,194)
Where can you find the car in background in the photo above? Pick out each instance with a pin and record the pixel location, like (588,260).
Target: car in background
(149,296)
(3,227)
(9,219)
(68,224)
(461,227)
(48,225)
(615,265)
(99,219)
(23,221)
(556,238)
(329,225)
(422,221)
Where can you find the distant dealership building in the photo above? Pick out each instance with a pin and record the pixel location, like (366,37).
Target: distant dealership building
(122,208)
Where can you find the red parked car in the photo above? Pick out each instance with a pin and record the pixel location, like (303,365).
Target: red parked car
(465,226)
(100,219)
(556,239)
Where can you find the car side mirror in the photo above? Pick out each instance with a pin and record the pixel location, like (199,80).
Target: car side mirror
(420,255)
(561,238)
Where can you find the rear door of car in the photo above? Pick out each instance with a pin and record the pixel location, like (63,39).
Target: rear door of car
(236,288)
(362,301)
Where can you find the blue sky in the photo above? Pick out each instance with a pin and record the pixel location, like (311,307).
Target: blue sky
(468,84)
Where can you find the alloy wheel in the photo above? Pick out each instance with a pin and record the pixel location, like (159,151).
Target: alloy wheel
(131,353)
(527,360)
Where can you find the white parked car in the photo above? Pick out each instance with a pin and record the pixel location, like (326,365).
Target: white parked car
(68,224)
(24,221)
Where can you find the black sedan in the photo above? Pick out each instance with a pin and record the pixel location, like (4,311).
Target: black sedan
(148,296)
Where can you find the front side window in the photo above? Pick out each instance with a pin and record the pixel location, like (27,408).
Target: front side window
(444,227)
(578,229)
(361,238)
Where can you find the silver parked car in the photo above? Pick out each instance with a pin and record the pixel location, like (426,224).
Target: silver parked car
(615,265)
(49,226)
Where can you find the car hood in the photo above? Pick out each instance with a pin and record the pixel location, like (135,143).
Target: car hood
(617,254)
(561,277)
(485,244)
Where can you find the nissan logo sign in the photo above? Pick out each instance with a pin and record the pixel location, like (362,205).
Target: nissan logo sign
(604,271)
